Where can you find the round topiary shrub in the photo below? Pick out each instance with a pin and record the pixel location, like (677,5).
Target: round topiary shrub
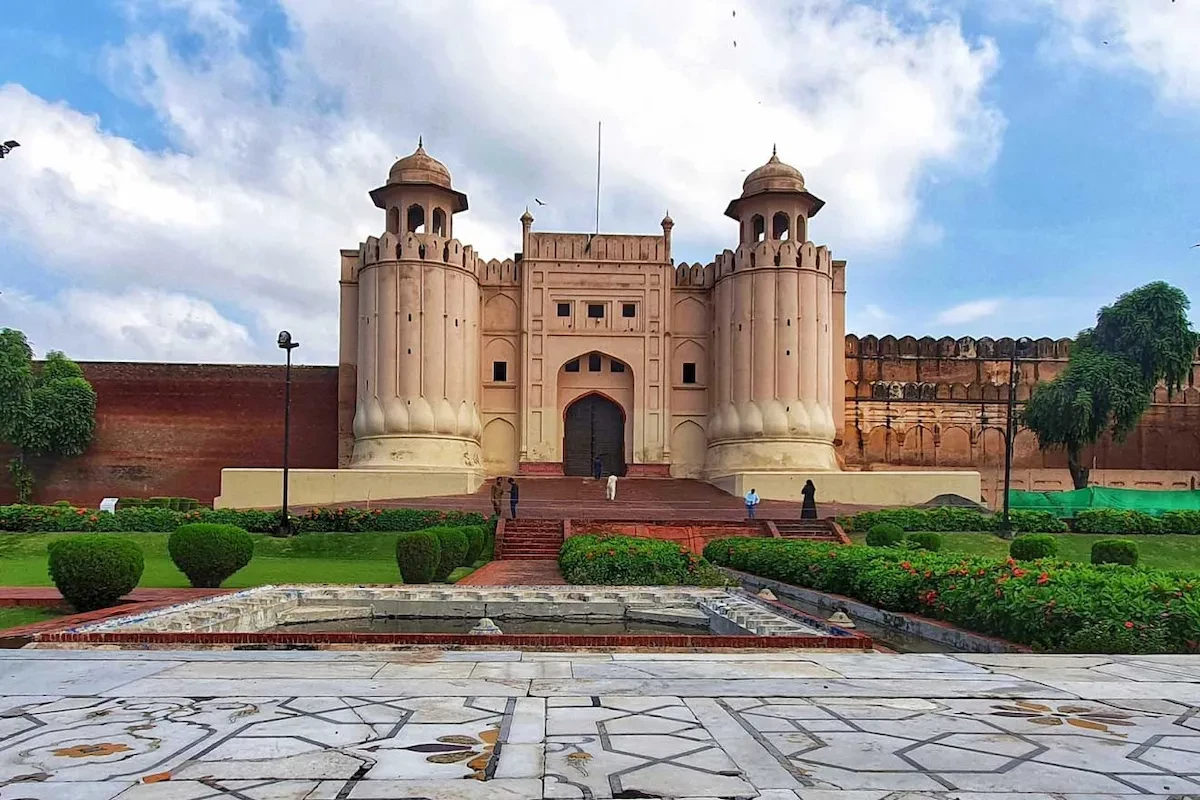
(1115,551)
(454,551)
(94,571)
(885,534)
(1033,546)
(926,540)
(476,538)
(418,554)
(209,553)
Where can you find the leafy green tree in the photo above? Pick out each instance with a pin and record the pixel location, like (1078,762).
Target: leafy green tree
(47,409)
(1141,340)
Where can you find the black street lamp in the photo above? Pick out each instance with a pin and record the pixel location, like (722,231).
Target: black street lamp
(1005,530)
(7,147)
(288,345)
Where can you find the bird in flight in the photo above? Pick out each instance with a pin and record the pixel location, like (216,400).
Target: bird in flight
(539,202)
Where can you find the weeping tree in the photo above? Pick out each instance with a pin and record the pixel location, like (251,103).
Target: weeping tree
(1139,341)
(47,409)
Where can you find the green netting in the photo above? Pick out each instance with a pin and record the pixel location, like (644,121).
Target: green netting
(1067,504)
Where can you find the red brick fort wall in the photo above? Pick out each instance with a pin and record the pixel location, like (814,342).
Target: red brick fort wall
(168,429)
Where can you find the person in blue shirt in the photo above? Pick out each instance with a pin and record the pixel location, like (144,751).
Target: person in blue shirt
(514,495)
(751,503)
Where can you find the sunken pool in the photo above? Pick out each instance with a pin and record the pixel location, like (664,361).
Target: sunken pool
(475,615)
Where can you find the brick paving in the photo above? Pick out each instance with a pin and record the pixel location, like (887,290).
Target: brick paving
(515,573)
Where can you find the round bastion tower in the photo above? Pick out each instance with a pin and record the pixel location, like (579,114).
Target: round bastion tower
(771,405)
(418,331)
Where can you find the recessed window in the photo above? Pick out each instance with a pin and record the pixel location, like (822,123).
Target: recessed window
(594,362)
(572,366)
(689,372)
(616,366)
(595,311)
(500,371)
(628,310)
(564,309)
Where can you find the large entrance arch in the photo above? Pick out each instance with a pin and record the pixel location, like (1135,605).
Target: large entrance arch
(593,427)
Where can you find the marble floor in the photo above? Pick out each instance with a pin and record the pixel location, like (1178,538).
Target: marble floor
(778,725)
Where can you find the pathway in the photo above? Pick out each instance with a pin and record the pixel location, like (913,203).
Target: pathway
(517,572)
(790,725)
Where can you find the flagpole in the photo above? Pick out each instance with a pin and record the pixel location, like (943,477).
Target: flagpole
(598,124)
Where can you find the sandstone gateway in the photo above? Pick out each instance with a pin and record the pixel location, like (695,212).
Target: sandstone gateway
(588,348)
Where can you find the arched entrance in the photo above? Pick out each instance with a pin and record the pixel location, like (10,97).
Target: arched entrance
(594,427)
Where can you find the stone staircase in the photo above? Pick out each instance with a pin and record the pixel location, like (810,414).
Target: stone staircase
(819,530)
(529,539)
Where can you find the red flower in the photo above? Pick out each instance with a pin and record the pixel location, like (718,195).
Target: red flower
(905,565)
(1128,624)
(1019,573)
(1043,579)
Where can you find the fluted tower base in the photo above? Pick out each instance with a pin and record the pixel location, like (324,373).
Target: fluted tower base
(417,453)
(733,456)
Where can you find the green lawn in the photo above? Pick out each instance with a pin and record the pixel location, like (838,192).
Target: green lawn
(25,615)
(1164,552)
(309,558)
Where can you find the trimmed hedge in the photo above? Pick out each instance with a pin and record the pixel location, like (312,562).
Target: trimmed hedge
(885,534)
(1033,546)
(154,519)
(1054,606)
(953,520)
(418,554)
(634,561)
(94,572)
(926,541)
(209,553)
(476,539)
(454,548)
(1115,551)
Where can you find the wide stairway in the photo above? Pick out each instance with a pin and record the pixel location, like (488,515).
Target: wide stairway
(530,540)
(637,499)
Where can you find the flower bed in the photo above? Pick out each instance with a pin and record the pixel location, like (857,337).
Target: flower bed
(952,520)
(50,519)
(633,561)
(1049,605)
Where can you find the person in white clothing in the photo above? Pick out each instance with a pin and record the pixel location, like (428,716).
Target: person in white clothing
(610,490)
(751,503)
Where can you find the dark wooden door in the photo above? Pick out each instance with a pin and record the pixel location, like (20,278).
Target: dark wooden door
(595,427)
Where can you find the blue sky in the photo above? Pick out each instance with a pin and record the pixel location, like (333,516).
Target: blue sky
(190,167)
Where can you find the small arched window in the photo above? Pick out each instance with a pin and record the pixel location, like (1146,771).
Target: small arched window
(780,225)
(800,229)
(758,228)
(439,222)
(393,220)
(416,219)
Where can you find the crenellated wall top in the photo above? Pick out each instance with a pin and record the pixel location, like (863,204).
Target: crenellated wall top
(597,247)
(773,253)
(966,347)
(428,247)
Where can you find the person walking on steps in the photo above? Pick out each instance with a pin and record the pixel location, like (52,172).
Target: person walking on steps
(497,496)
(610,490)
(514,496)
(597,467)
(751,503)
(809,509)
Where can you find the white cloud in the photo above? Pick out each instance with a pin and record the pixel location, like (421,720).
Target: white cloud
(1158,38)
(970,311)
(141,325)
(267,173)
